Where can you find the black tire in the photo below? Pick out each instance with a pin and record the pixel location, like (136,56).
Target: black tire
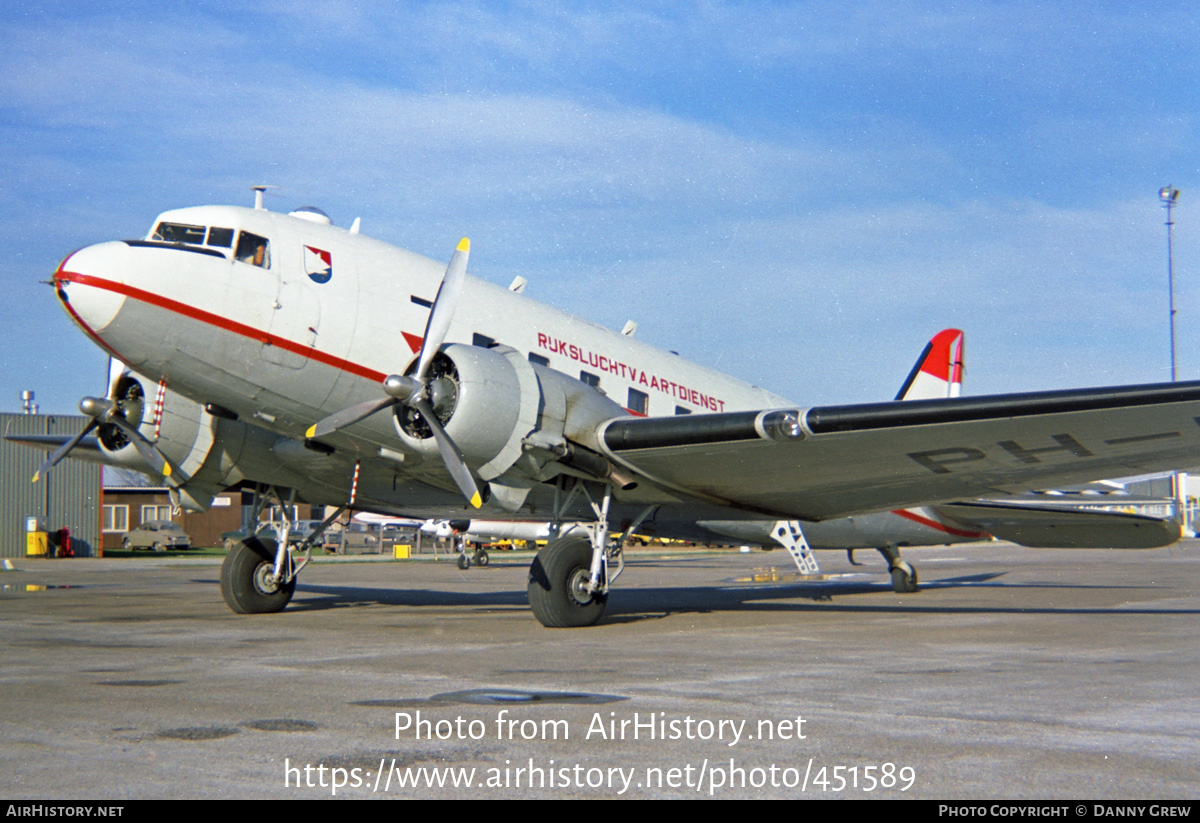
(481,558)
(244,578)
(125,544)
(463,562)
(902,581)
(157,548)
(556,580)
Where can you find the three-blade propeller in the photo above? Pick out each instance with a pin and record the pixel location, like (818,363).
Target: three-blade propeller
(414,391)
(106,411)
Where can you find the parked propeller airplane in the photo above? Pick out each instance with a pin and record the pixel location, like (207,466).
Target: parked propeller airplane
(1036,521)
(268,322)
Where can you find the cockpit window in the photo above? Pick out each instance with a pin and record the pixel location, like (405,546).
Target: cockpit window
(220,237)
(179,233)
(253,249)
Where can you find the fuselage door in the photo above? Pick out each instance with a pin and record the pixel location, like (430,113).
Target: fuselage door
(296,319)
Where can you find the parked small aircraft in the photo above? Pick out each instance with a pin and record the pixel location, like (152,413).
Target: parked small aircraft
(317,358)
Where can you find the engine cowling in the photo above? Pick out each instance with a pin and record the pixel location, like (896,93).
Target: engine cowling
(181,429)
(487,401)
(498,407)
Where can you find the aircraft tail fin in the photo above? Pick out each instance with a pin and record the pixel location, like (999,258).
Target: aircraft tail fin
(938,372)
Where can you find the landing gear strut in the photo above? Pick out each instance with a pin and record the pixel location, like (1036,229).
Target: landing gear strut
(569,580)
(904,576)
(259,573)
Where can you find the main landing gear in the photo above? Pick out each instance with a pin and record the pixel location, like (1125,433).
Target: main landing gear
(259,573)
(569,580)
(479,558)
(558,585)
(248,581)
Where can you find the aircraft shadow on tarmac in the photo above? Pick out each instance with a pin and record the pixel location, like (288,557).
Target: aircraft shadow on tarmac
(632,605)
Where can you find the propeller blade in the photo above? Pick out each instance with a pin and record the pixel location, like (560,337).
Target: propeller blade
(63,450)
(145,449)
(348,417)
(444,305)
(451,456)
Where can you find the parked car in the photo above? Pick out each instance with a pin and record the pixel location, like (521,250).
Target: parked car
(356,538)
(157,535)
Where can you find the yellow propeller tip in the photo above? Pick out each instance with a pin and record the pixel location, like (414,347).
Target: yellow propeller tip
(312,430)
(167,470)
(464,244)
(477,501)
(36,477)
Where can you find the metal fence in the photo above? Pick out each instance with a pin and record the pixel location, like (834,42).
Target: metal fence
(71,496)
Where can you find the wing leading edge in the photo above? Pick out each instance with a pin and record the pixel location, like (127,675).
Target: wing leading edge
(834,461)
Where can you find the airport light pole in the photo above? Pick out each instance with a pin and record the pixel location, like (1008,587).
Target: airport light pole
(1169,196)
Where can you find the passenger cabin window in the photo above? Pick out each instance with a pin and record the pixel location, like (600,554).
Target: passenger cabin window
(537,358)
(639,402)
(589,378)
(482,341)
(682,410)
(179,233)
(253,249)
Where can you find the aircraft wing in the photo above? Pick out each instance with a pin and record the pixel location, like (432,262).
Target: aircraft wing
(833,461)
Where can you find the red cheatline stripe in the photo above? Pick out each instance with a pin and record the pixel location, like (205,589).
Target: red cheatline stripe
(933,524)
(90,331)
(215,320)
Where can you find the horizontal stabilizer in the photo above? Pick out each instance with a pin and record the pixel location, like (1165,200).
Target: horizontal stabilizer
(1042,526)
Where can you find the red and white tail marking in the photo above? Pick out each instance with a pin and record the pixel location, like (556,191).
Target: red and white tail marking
(938,372)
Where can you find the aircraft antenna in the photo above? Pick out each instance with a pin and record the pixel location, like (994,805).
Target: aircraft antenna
(258,196)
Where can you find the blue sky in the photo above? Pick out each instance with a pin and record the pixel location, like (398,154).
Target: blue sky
(800,194)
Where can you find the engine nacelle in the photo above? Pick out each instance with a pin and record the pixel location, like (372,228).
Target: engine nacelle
(182,430)
(498,407)
(487,401)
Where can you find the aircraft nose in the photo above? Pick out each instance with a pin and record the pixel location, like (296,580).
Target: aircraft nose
(90,285)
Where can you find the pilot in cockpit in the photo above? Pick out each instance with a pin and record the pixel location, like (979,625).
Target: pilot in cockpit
(252,249)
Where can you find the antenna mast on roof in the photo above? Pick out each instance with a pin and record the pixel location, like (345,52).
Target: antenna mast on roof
(258,196)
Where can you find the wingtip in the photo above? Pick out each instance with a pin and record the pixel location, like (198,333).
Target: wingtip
(464,244)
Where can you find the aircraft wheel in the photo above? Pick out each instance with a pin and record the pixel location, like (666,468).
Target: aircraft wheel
(904,578)
(558,581)
(246,581)
(463,562)
(481,558)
